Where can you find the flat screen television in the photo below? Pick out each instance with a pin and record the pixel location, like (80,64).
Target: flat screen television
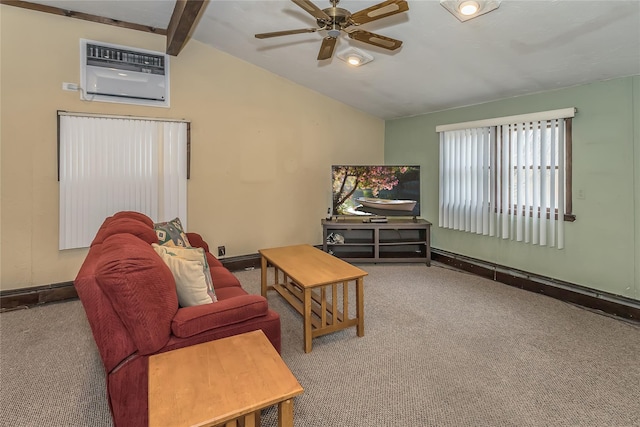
(375,190)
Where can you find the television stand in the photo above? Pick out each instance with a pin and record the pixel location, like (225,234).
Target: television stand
(397,240)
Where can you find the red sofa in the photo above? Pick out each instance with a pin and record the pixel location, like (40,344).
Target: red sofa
(129,296)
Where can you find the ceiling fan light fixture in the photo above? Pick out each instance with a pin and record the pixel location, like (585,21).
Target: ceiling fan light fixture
(354,57)
(469,9)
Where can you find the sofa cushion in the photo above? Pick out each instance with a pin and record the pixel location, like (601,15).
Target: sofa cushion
(213,261)
(171,233)
(99,237)
(141,289)
(197,241)
(191,273)
(223,278)
(236,307)
(126,225)
(111,336)
(134,215)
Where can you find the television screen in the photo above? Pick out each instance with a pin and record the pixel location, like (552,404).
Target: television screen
(376,190)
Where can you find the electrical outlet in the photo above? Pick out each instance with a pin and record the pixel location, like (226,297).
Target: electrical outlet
(221,251)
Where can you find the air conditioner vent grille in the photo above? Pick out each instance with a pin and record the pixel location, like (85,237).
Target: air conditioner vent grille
(102,56)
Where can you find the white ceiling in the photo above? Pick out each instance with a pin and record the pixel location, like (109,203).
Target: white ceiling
(525,46)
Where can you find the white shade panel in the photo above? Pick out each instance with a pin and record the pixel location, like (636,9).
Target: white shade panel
(506,181)
(109,164)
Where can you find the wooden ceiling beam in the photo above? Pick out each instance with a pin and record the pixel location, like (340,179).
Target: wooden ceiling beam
(183,21)
(84,16)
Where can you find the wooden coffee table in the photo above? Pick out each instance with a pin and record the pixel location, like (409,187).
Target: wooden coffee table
(308,274)
(220,383)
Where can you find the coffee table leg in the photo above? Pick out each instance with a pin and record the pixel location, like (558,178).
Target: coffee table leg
(360,305)
(307,320)
(263,276)
(285,413)
(256,421)
(248,420)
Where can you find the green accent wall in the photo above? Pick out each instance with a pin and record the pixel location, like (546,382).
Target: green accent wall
(602,247)
(635,114)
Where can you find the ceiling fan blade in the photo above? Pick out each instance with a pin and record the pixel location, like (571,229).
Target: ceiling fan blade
(285,33)
(375,39)
(326,50)
(312,9)
(379,11)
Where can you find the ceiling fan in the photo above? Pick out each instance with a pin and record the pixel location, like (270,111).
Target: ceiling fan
(335,19)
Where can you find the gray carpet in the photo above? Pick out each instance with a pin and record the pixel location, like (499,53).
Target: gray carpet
(441,348)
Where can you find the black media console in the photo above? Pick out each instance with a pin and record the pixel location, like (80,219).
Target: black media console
(397,240)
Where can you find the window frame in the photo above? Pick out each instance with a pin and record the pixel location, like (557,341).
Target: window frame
(569,216)
(108,163)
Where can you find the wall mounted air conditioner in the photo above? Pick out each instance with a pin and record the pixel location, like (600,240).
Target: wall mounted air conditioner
(112,73)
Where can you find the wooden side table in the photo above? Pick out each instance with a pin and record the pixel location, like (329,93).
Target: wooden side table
(221,383)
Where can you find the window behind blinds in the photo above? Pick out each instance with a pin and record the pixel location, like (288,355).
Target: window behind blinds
(508,177)
(109,164)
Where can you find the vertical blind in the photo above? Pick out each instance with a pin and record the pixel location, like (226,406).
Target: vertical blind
(505,180)
(108,164)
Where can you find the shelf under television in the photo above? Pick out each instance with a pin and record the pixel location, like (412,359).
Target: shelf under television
(397,240)
(353,242)
(403,242)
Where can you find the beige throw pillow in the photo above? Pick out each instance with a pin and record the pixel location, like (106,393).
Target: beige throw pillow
(191,272)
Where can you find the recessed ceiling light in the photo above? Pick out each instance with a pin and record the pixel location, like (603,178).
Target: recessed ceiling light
(469,9)
(354,57)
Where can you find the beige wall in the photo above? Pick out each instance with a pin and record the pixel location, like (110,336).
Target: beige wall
(262,146)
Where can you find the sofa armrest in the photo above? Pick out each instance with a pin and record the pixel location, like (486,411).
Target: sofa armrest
(190,321)
(197,241)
